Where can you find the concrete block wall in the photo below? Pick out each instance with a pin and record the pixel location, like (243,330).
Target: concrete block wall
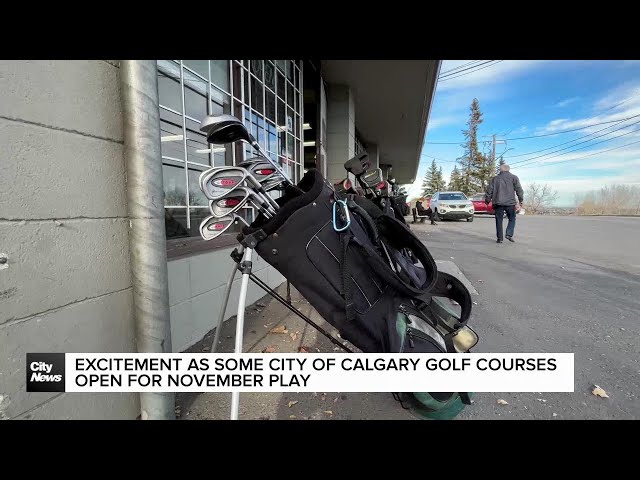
(196,289)
(63,226)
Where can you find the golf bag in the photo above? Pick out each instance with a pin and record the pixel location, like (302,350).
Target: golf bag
(366,274)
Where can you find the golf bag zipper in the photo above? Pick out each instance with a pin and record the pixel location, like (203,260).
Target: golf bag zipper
(411,334)
(416,312)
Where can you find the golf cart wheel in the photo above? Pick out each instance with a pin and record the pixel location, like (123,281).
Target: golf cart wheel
(436,217)
(470,219)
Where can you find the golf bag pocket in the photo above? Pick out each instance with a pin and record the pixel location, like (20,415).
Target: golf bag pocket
(325,253)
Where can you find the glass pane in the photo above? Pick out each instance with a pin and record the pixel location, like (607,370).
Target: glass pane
(222,155)
(280,86)
(297,156)
(195,103)
(271,106)
(282,65)
(256,68)
(269,75)
(237,80)
(220,74)
(171,147)
(290,96)
(196,197)
(290,122)
(197,148)
(289,70)
(256,95)
(290,146)
(199,66)
(297,79)
(169,92)
(298,126)
(174,185)
(282,144)
(281,114)
(220,102)
(246,88)
(175,222)
(272,145)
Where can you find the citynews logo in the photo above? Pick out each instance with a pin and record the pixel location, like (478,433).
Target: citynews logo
(45,372)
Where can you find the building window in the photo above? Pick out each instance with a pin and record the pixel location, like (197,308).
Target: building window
(264,94)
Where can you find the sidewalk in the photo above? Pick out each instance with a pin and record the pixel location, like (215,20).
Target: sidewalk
(260,319)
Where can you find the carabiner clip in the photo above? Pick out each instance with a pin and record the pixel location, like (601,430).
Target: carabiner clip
(346,210)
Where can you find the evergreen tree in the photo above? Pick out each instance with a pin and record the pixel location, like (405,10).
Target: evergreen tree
(433,180)
(455,180)
(500,163)
(474,165)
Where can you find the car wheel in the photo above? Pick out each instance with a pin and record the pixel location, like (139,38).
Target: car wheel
(436,217)
(470,219)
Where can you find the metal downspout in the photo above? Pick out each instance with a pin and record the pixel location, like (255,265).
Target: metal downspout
(147,242)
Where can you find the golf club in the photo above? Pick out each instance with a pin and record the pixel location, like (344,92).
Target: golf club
(218,181)
(222,129)
(229,204)
(257,201)
(212,227)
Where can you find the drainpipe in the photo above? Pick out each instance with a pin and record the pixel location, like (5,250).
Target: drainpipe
(147,242)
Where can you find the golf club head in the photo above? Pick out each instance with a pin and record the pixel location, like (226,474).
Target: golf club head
(255,198)
(217,182)
(262,171)
(274,183)
(358,164)
(230,203)
(222,129)
(373,177)
(344,186)
(212,227)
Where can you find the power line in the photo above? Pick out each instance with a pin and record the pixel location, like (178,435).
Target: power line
(575,139)
(526,162)
(461,66)
(465,69)
(468,73)
(543,135)
(590,155)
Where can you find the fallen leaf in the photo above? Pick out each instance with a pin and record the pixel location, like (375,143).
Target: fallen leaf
(555,414)
(292,416)
(335,400)
(292,403)
(303,349)
(279,329)
(599,392)
(481,281)
(258,310)
(502,402)
(293,336)
(260,304)
(205,349)
(269,350)
(314,394)
(267,325)
(328,412)
(475,303)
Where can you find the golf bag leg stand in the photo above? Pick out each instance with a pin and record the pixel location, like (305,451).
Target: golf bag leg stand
(225,301)
(245,268)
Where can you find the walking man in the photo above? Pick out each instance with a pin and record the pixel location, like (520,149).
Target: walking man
(502,191)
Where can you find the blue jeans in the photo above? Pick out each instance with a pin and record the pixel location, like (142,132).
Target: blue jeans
(511,215)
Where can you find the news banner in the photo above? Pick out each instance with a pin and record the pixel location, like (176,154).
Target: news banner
(299,372)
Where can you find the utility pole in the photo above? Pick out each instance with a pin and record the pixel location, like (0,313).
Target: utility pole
(493,151)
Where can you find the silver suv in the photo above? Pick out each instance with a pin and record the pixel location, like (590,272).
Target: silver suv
(453,205)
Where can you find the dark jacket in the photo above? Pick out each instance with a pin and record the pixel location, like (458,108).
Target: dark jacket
(503,188)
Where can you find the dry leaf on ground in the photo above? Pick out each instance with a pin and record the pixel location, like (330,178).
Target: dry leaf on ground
(502,402)
(303,349)
(292,416)
(279,329)
(328,412)
(267,325)
(599,392)
(335,400)
(269,350)
(292,403)
(294,336)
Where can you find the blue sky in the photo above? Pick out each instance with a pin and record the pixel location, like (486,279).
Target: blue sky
(522,98)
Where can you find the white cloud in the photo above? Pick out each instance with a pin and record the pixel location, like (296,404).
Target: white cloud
(566,102)
(488,74)
(445,120)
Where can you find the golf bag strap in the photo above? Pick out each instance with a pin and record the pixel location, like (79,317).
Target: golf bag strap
(345,240)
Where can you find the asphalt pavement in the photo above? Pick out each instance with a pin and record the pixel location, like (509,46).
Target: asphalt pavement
(568,284)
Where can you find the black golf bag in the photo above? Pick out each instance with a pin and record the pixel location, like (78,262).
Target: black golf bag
(366,274)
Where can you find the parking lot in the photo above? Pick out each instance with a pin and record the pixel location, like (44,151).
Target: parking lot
(568,284)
